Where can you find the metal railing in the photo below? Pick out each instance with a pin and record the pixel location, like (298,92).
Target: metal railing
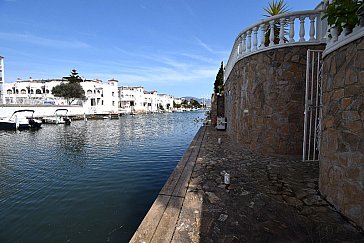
(313,107)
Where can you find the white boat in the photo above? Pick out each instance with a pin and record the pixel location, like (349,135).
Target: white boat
(19,120)
(60,117)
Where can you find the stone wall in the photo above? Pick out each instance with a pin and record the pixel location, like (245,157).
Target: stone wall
(213,111)
(217,108)
(342,146)
(264,101)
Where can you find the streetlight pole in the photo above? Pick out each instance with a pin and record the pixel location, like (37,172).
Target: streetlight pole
(2,80)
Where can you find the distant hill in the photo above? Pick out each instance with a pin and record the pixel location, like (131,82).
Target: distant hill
(200,100)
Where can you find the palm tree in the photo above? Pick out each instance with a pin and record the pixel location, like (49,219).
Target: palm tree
(274,8)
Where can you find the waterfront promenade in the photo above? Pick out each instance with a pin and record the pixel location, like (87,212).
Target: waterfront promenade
(270,199)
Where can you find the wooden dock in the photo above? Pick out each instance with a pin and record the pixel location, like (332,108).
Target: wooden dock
(159,225)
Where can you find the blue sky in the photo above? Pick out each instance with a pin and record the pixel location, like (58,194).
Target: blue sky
(173,46)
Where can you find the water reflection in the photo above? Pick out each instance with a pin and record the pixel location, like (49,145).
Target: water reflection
(91,181)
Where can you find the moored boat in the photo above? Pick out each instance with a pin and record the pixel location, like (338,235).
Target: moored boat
(20,121)
(60,117)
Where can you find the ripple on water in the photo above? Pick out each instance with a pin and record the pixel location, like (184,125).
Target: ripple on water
(81,182)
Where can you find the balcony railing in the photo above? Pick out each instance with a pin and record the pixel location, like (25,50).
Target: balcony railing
(336,39)
(255,38)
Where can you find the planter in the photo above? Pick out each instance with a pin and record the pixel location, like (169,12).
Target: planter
(361,21)
(334,33)
(347,30)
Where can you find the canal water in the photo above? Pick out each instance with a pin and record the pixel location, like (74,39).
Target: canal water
(91,181)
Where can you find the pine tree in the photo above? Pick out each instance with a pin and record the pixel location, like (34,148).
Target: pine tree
(219,81)
(72,89)
(74,77)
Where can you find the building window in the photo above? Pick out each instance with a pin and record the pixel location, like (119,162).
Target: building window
(47,91)
(102,102)
(113,93)
(38,91)
(17,91)
(113,103)
(23,91)
(93,102)
(89,92)
(9,91)
(32,91)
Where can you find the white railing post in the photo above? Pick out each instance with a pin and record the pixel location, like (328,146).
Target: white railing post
(302,28)
(291,29)
(281,30)
(244,43)
(271,34)
(255,38)
(262,36)
(240,45)
(312,27)
(249,44)
(237,51)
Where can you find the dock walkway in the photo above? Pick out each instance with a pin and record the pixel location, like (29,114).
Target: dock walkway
(270,199)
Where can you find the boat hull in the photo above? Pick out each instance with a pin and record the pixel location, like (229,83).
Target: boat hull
(4,125)
(57,120)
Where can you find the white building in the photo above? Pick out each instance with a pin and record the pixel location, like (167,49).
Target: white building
(165,102)
(134,99)
(151,100)
(101,98)
(32,92)
(131,99)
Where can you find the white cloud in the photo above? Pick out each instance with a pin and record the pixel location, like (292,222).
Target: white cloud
(208,48)
(41,41)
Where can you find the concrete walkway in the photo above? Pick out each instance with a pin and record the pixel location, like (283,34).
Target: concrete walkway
(270,199)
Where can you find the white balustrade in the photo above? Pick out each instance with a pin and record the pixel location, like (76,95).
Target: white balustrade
(291,29)
(243,40)
(281,31)
(247,41)
(336,39)
(312,28)
(255,38)
(249,45)
(262,35)
(318,33)
(302,28)
(240,45)
(271,33)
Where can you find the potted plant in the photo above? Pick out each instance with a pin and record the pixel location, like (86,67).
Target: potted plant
(275,7)
(342,14)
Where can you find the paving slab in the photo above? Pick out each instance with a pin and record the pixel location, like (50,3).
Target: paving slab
(269,199)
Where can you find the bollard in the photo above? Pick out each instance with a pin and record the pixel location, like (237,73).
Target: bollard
(227,178)
(219,140)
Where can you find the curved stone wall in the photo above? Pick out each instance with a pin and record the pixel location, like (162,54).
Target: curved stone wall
(342,146)
(264,100)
